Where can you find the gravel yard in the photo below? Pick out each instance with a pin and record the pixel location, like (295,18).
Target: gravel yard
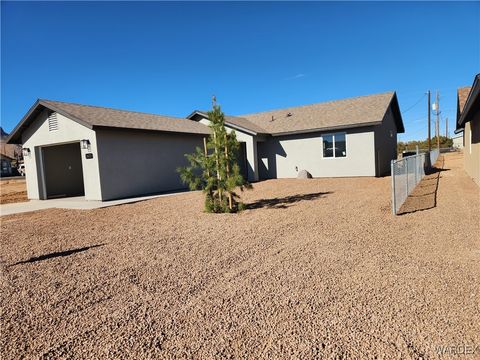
(13,191)
(313,269)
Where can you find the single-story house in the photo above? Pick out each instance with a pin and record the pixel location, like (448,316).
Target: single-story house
(457,140)
(103,154)
(6,165)
(468,119)
(350,137)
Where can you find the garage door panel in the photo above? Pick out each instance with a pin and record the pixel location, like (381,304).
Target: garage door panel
(63,170)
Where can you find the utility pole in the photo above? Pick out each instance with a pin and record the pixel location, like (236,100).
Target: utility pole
(437,107)
(446,127)
(428,120)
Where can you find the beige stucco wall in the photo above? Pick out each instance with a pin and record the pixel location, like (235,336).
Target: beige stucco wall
(283,157)
(472,148)
(142,162)
(38,135)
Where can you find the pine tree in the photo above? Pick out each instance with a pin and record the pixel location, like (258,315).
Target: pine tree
(215,169)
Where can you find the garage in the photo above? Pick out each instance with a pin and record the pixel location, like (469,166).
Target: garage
(62,171)
(102,154)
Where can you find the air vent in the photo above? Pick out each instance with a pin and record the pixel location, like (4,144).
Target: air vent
(52,122)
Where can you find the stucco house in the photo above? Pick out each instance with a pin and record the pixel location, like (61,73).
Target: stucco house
(103,154)
(457,139)
(468,119)
(6,165)
(349,137)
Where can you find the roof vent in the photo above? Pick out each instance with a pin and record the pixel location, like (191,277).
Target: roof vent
(52,122)
(272,118)
(289,114)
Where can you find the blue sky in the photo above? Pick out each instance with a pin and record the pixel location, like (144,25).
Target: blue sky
(169,58)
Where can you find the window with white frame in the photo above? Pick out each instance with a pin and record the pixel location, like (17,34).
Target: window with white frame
(334,145)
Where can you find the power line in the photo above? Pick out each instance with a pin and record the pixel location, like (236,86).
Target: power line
(411,107)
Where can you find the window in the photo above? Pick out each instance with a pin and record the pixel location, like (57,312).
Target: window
(334,145)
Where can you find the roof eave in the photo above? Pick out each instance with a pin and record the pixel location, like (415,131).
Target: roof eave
(329,128)
(12,138)
(470,102)
(149,130)
(16,134)
(234,126)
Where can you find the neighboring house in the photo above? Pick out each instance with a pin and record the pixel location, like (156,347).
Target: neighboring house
(468,119)
(101,153)
(458,140)
(13,151)
(350,137)
(6,165)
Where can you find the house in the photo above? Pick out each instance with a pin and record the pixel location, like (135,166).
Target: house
(458,140)
(6,165)
(102,153)
(13,151)
(350,137)
(468,119)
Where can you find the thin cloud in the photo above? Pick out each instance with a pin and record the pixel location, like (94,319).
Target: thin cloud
(298,76)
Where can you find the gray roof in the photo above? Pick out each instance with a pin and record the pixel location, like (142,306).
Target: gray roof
(235,122)
(346,113)
(339,114)
(95,116)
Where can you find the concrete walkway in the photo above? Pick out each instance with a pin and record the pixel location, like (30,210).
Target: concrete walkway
(77,203)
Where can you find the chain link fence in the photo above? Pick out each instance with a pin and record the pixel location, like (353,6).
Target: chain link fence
(406,174)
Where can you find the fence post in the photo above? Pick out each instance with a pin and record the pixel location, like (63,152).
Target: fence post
(394,202)
(416,169)
(406,171)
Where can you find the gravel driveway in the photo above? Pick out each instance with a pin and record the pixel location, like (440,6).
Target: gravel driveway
(314,269)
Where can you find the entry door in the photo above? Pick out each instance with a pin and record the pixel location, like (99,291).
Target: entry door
(63,174)
(242,160)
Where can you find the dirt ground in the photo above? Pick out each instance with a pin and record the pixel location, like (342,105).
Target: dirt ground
(12,191)
(313,269)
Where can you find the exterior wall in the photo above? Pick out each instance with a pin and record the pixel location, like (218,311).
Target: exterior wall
(283,157)
(251,147)
(458,141)
(142,162)
(471,151)
(38,135)
(385,143)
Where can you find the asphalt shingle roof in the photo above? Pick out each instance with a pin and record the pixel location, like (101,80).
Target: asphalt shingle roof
(237,122)
(107,117)
(358,111)
(462,97)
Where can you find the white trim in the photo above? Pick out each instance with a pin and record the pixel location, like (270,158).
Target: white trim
(333,136)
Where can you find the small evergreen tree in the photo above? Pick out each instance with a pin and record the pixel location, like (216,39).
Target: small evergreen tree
(215,169)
